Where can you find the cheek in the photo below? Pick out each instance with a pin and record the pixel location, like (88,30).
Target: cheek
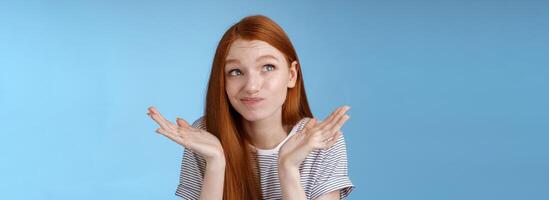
(231,87)
(277,85)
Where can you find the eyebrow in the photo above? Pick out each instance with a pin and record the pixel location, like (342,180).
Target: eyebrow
(259,58)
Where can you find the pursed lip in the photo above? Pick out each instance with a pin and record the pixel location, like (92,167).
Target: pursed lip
(251,100)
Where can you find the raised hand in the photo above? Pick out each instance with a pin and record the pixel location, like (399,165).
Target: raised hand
(200,141)
(314,136)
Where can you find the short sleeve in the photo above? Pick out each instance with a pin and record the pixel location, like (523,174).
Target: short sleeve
(192,171)
(333,172)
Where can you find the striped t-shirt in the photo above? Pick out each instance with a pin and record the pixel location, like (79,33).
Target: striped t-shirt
(321,172)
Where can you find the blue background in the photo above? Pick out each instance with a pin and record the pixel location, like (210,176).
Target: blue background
(449,98)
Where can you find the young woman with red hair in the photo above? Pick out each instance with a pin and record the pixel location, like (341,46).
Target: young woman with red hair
(258,138)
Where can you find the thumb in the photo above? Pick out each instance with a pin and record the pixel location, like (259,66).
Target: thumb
(182,122)
(310,124)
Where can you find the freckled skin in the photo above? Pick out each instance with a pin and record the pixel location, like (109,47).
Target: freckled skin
(252,78)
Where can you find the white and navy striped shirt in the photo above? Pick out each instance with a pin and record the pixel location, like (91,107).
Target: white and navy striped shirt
(321,172)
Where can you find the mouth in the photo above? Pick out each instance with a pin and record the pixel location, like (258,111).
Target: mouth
(251,101)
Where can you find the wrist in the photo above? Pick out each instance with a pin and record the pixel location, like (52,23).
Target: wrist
(215,163)
(218,164)
(289,175)
(285,169)
(283,164)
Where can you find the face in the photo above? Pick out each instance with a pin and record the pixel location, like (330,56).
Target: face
(257,78)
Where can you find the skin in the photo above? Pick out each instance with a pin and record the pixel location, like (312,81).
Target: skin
(314,136)
(256,69)
(201,142)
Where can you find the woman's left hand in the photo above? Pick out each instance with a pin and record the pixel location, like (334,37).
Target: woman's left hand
(314,136)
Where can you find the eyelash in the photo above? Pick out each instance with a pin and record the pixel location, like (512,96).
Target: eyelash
(231,71)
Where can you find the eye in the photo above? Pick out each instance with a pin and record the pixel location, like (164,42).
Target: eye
(235,72)
(269,66)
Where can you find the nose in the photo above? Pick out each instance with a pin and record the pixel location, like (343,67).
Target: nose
(253,83)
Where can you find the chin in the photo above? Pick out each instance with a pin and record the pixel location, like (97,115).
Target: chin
(252,116)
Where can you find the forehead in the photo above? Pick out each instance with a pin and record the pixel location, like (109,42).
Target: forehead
(250,49)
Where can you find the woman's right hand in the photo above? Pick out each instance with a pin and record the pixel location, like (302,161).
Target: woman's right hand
(198,140)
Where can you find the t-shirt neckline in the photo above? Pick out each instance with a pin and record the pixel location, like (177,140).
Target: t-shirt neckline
(275,150)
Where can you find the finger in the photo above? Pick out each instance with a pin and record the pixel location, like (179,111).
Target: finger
(150,110)
(182,122)
(333,121)
(331,116)
(170,135)
(331,141)
(310,124)
(153,109)
(166,132)
(163,122)
(330,121)
(160,131)
(328,135)
(334,136)
(340,123)
(155,112)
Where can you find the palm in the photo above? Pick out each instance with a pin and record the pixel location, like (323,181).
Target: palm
(296,147)
(200,141)
(314,136)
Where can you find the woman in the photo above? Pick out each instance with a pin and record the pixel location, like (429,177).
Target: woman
(258,138)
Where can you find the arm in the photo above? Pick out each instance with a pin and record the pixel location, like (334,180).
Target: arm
(290,183)
(296,149)
(291,186)
(212,187)
(205,144)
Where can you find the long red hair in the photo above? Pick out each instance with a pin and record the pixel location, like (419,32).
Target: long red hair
(224,121)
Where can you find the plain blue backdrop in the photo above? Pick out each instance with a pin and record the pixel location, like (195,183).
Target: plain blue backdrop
(449,98)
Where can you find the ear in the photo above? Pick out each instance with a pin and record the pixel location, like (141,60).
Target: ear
(293,74)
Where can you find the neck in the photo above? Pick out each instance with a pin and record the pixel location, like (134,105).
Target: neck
(266,133)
